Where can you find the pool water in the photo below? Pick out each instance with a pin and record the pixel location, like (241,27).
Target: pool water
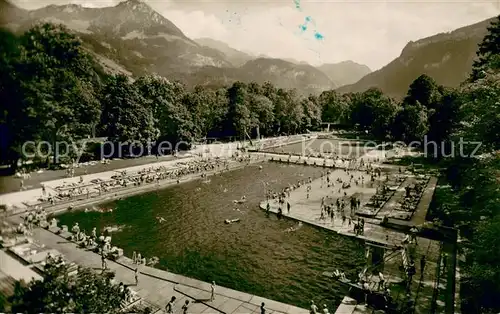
(255,255)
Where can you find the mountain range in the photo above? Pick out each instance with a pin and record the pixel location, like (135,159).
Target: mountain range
(133,39)
(445,57)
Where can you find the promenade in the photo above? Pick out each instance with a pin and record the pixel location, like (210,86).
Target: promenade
(308,210)
(158,286)
(21,200)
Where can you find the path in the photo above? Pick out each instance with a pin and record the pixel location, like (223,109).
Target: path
(12,268)
(9,184)
(308,209)
(396,198)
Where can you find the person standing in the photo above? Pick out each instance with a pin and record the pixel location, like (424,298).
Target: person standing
(325,309)
(212,288)
(288,207)
(381,281)
(185,307)
(136,275)
(169,308)
(422,266)
(103,262)
(314,308)
(263,308)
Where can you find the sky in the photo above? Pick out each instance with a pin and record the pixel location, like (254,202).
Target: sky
(370,32)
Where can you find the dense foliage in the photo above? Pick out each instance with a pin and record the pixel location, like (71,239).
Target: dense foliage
(471,201)
(59,292)
(52,89)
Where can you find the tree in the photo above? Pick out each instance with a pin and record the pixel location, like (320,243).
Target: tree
(169,102)
(52,90)
(481,112)
(334,107)
(411,123)
(126,115)
(58,292)
(202,103)
(423,90)
(239,118)
(488,52)
(444,118)
(312,112)
(374,112)
(262,112)
(484,273)
(12,125)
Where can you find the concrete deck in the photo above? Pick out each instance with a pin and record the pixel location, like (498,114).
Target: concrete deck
(158,286)
(15,269)
(11,184)
(308,210)
(19,201)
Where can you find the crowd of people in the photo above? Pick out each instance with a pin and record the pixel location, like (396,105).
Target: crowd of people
(148,175)
(339,203)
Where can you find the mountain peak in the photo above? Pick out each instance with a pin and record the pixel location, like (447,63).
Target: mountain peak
(130,3)
(136,5)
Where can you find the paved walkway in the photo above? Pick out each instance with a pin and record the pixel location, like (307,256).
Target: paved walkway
(308,210)
(10,184)
(21,198)
(158,286)
(19,201)
(15,269)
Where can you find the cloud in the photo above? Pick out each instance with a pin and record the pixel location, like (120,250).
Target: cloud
(372,32)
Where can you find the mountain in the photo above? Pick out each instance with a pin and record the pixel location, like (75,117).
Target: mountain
(134,39)
(446,57)
(9,13)
(236,57)
(284,74)
(346,72)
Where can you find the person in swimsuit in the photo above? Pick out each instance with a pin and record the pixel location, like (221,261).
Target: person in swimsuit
(185,307)
(314,308)
(212,295)
(169,308)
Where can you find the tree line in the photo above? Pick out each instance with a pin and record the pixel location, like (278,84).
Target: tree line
(53,89)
